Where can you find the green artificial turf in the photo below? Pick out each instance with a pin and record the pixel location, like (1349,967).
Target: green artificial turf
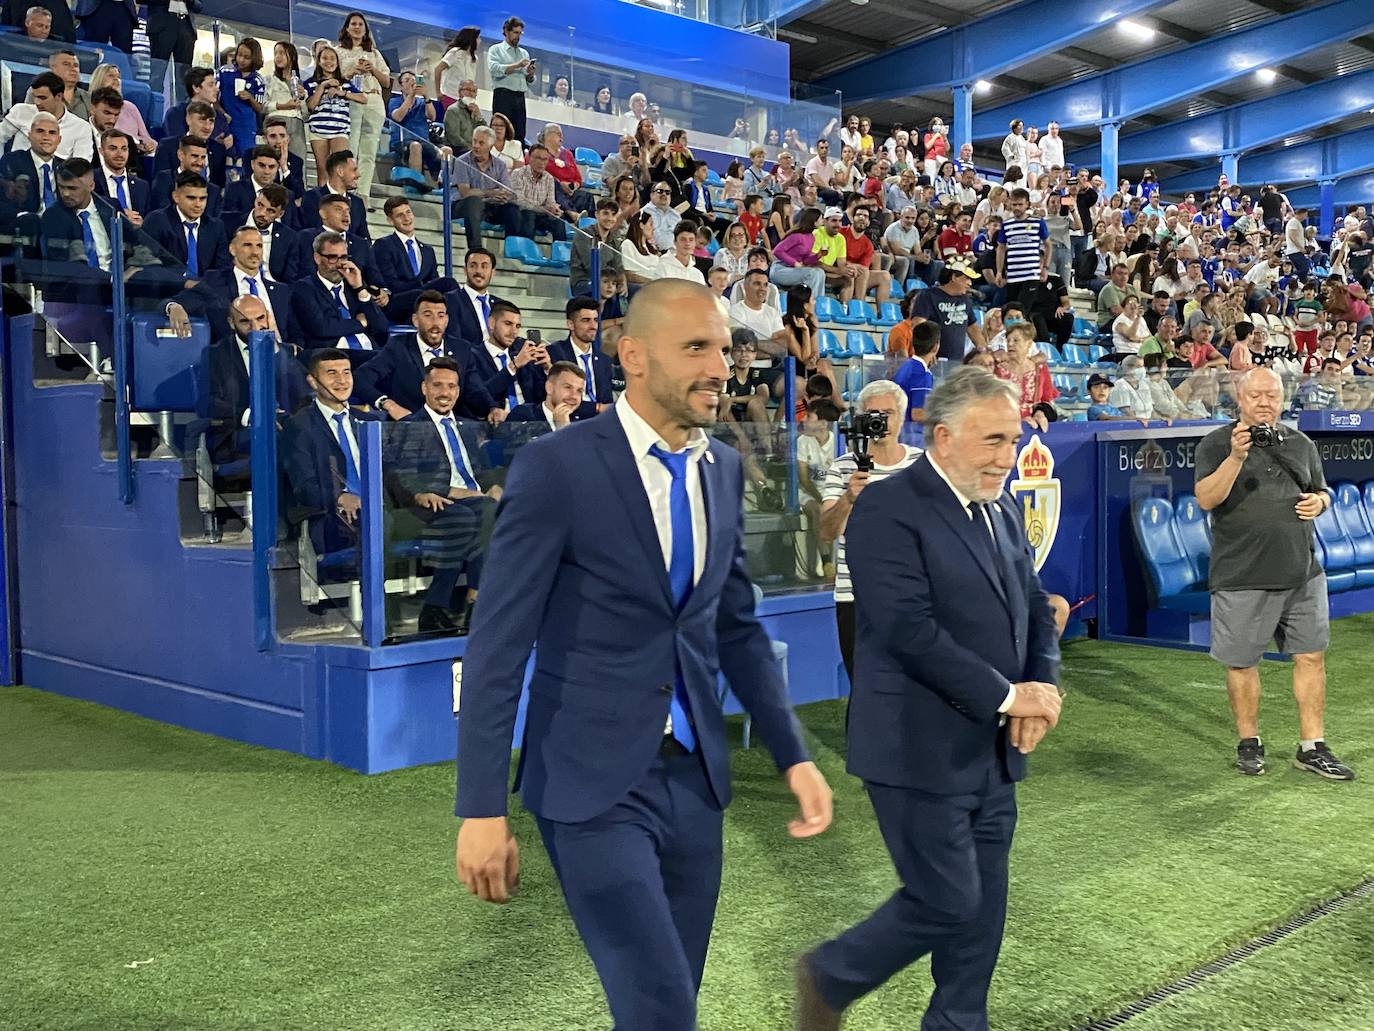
(260,890)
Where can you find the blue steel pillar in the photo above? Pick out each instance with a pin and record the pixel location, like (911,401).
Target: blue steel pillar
(1230,165)
(963,115)
(1327,222)
(1109,152)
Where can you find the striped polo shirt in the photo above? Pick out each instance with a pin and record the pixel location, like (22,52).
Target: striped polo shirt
(331,116)
(1023,239)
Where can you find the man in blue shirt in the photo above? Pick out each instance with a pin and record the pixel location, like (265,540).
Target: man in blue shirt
(411,115)
(915,378)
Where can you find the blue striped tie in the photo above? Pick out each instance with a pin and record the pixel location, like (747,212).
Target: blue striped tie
(591,378)
(353,339)
(681,566)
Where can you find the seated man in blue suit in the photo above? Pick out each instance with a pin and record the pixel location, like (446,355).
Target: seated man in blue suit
(562,405)
(579,347)
(263,166)
(190,159)
(336,216)
(510,367)
(469,307)
(184,230)
(391,381)
(230,397)
(29,176)
(956,661)
(341,180)
(405,266)
(436,470)
(200,123)
(333,308)
(116,181)
(634,522)
(244,278)
(320,454)
(286,254)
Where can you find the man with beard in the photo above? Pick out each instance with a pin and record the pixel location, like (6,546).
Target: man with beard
(626,765)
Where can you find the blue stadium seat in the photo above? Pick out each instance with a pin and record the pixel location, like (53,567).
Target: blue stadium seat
(889,314)
(1096,352)
(829,309)
(858,313)
(916,283)
(1350,511)
(1084,329)
(1337,552)
(560,255)
(586,222)
(1067,386)
(587,156)
(1051,352)
(1075,354)
(712,179)
(1194,533)
(858,344)
(525,251)
(828,344)
(1173,578)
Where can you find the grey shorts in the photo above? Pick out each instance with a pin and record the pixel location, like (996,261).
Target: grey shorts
(1243,622)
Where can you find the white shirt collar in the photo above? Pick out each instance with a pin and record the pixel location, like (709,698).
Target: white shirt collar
(642,436)
(577,348)
(964,500)
(109,172)
(440,418)
(327,284)
(403,237)
(329,413)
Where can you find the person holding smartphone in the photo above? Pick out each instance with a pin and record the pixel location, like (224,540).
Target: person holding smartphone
(512,70)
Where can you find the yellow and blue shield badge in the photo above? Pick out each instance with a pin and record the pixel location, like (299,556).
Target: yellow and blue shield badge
(1040,495)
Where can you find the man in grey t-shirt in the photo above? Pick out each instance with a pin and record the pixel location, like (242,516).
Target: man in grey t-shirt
(1265,579)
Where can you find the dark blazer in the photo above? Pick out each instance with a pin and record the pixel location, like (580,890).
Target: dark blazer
(165,157)
(161,195)
(289,258)
(294,179)
(563,351)
(359,252)
(530,376)
(395,372)
(416,461)
(163,227)
(393,264)
(319,324)
(462,316)
(307,213)
(240,195)
(86,8)
(19,164)
(229,396)
(63,24)
(598,701)
(316,474)
(136,188)
(61,239)
(944,626)
(223,281)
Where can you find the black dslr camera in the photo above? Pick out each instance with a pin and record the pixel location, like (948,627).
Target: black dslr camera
(1266,436)
(859,428)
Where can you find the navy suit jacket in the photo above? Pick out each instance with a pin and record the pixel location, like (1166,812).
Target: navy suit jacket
(230,397)
(61,239)
(288,259)
(497,382)
(163,227)
(239,197)
(395,372)
(223,282)
(316,316)
(416,461)
(315,470)
(463,321)
(393,264)
(599,695)
(307,213)
(944,626)
(563,351)
(165,157)
(19,164)
(137,189)
(161,195)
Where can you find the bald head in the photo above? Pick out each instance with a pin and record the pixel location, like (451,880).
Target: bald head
(661,302)
(247,314)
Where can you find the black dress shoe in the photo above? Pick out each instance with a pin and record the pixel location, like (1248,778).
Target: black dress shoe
(434,619)
(812,1012)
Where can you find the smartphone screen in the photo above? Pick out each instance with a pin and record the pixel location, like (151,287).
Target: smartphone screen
(535,337)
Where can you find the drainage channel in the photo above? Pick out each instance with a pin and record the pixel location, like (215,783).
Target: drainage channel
(1361,891)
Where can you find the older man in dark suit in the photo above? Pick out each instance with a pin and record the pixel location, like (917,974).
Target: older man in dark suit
(956,662)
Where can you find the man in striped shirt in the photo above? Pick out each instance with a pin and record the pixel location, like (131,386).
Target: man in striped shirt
(1023,250)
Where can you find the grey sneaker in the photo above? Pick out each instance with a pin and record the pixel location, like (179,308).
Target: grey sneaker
(1250,757)
(1320,761)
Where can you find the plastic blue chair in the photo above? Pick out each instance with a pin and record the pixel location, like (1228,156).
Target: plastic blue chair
(1338,551)
(525,251)
(1172,574)
(587,156)
(1075,354)
(1096,352)
(889,314)
(1051,352)
(560,255)
(712,179)
(586,222)
(1084,329)
(828,344)
(829,309)
(858,311)
(916,283)
(1194,533)
(859,343)
(1355,521)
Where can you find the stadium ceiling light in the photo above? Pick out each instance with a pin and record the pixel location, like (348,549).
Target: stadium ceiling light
(982,86)
(1266,75)
(1135,30)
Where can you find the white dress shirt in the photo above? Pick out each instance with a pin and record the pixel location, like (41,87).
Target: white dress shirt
(658,483)
(77,139)
(454,479)
(103,249)
(500,355)
(472,296)
(266,246)
(329,414)
(670,268)
(241,278)
(587,367)
(964,502)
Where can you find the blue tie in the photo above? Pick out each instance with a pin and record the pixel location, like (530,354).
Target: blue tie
(252,286)
(512,397)
(344,313)
(353,483)
(49,197)
(192,255)
(88,239)
(681,563)
(485,302)
(120,195)
(591,378)
(414,257)
(459,462)
(434,352)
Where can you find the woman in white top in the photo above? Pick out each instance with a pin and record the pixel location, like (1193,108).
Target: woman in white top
(561,94)
(1034,154)
(506,147)
(286,95)
(637,253)
(995,203)
(360,59)
(1129,329)
(1014,146)
(734,256)
(458,64)
(1170,281)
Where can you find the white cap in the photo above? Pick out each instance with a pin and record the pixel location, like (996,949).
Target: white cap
(833,213)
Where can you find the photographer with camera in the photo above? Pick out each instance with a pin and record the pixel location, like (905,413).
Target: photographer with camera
(874,453)
(1263,484)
